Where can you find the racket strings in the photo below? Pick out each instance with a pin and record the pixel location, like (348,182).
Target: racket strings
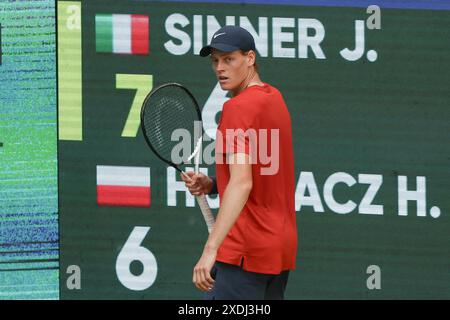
(168,109)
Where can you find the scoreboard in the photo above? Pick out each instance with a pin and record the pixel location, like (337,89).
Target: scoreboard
(366,85)
(29,237)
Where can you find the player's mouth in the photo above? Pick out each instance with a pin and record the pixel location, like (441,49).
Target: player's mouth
(222,79)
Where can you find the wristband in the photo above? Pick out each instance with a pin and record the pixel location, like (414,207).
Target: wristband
(214,187)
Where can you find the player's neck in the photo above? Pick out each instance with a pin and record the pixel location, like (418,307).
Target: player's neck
(252,79)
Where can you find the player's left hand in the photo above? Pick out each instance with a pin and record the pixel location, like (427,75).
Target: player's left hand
(202,271)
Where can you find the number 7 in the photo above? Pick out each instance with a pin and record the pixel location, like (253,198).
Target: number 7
(143,83)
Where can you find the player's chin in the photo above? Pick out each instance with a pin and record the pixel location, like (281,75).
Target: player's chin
(225,85)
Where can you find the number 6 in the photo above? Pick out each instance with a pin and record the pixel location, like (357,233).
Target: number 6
(133,251)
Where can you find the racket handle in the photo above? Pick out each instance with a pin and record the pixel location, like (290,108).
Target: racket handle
(185,175)
(204,207)
(206,211)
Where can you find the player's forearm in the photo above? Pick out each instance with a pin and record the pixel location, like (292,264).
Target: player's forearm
(234,199)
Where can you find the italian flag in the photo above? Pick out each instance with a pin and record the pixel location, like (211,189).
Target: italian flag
(123,186)
(122,33)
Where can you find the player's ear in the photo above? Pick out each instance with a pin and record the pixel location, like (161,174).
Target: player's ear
(251,56)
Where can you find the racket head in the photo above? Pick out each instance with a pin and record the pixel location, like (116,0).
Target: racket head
(169,107)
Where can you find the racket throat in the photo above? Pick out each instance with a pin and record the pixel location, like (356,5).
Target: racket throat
(196,154)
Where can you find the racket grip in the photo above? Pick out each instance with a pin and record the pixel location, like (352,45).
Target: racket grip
(204,207)
(206,211)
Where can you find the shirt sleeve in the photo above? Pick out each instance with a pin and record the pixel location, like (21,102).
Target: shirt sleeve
(237,129)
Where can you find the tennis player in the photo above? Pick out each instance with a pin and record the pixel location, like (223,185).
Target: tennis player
(253,244)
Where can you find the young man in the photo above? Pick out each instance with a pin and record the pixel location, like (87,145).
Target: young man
(253,244)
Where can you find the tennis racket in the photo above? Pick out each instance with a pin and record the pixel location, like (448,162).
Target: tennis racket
(168,108)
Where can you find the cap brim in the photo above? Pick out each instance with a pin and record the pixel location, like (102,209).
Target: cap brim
(206,51)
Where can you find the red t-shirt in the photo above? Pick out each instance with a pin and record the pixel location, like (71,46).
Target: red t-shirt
(264,237)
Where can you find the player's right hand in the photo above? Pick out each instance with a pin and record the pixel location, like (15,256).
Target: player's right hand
(197,183)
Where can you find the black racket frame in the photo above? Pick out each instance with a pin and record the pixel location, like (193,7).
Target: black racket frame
(197,108)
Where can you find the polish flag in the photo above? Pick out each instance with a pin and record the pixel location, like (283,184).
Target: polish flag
(123,186)
(122,33)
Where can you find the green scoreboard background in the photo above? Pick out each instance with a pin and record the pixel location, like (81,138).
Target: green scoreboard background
(29,238)
(368,92)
